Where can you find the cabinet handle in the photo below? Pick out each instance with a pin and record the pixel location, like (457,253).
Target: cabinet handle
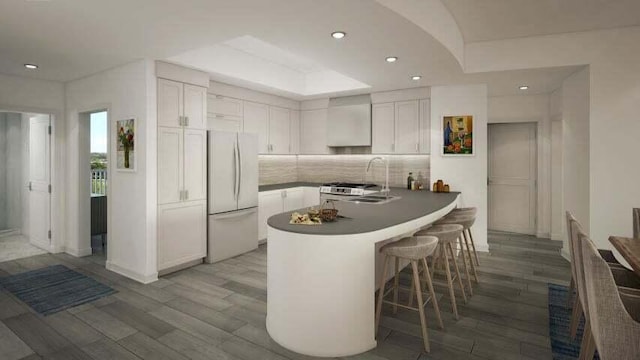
(186,121)
(284,193)
(219,97)
(393,147)
(180,120)
(186,194)
(417,148)
(180,195)
(219,116)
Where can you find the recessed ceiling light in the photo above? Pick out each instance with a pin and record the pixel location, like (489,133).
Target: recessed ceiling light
(416,77)
(31,66)
(392,59)
(523,87)
(338,34)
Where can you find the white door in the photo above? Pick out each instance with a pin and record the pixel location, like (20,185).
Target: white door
(222,105)
(195,164)
(313,132)
(256,121)
(407,127)
(293,199)
(224,123)
(195,106)
(170,103)
(512,177)
(223,172)
(232,234)
(279,130)
(295,131)
(39,180)
(170,165)
(182,233)
(383,128)
(270,203)
(247,171)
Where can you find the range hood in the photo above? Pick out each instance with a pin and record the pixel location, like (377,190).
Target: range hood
(349,122)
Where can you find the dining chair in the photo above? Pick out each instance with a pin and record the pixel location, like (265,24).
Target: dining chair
(580,306)
(636,223)
(609,327)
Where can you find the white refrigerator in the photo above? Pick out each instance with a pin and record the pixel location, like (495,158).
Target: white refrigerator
(233,194)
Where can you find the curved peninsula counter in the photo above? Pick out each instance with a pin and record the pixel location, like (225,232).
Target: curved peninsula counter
(321,278)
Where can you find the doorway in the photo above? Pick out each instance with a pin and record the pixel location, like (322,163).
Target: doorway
(25,185)
(98,180)
(512,171)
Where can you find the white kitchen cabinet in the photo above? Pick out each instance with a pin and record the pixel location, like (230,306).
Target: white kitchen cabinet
(311,196)
(182,233)
(256,120)
(294,117)
(269,204)
(279,131)
(170,165)
(313,132)
(226,106)
(407,127)
(181,105)
(425,126)
(383,128)
(195,165)
(217,122)
(292,199)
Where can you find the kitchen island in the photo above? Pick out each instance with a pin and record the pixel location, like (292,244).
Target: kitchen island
(321,279)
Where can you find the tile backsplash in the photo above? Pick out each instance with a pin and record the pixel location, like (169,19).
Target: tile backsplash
(276,169)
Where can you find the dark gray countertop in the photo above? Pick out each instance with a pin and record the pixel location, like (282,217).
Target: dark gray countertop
(287,185)
(363,218)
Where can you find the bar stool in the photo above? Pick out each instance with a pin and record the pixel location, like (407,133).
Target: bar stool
(467,211)
(466,221)
(414,249)
(447,236)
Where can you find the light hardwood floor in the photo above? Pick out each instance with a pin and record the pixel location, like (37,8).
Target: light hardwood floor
(218,312)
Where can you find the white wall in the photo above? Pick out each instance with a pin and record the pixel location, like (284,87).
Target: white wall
(25,172)
(126,91)
(11,166)
(575,148)
(465,174)
(531,108)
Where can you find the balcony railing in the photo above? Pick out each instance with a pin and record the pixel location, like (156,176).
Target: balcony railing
(98,182)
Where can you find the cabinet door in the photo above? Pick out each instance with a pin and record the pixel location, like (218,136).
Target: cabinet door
(279,130)
(293,199)
(195,164)
(311,196)
(256,120)
(425,126)
(407,127)
(383,128)
(224,123)
(313,132)
(182,233)
(295,131)
(222,105)
(170,165)
(170,103)
(269,204)
(195,106)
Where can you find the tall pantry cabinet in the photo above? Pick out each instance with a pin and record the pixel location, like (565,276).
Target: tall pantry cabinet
(182,173)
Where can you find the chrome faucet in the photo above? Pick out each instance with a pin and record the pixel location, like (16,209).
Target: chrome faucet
(385,189)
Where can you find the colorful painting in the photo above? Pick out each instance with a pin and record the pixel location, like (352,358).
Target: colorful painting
(457,134)
(126,136)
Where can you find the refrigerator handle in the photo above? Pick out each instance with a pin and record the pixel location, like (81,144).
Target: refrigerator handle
(235,173)
(239,168)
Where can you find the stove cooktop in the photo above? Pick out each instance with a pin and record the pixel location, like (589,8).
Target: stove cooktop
(349,185)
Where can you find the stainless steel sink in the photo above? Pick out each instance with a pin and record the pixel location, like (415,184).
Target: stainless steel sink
(374,199)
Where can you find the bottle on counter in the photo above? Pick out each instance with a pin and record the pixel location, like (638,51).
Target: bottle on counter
(410,181)
(420,181)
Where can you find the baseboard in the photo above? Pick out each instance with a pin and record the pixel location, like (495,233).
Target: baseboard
(78,252)
(543,235)
(482,248)
(145,279)
(565,254)
(556,237)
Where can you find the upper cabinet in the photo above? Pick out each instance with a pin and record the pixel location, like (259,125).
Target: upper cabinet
(279,131)
(181,105)
(256,120)
(401,127)
(294,118)
(313,132)
(273,126)
(222,105)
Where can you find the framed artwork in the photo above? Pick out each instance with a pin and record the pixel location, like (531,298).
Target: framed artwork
(457,135)
(125,140)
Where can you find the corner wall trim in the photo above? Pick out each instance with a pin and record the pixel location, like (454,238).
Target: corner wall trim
(78,252)
(141,278)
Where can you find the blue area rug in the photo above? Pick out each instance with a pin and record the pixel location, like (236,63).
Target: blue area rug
(54,288)
(562,346)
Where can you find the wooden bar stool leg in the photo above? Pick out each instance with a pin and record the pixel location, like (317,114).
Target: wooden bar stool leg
(588,346)
(434,301)
(423,320)
(455,267)
(576,316)
(572,286)
(464,263)
(381,292)
(473,265)
(452,294)
(396,280)
(475,253)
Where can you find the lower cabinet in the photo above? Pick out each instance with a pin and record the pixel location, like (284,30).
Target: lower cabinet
(277,201)
(182,233)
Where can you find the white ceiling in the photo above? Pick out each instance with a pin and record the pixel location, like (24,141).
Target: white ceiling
(481,20)
(70,39)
